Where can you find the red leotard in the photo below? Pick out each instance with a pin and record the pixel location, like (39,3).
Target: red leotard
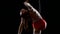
(40,24)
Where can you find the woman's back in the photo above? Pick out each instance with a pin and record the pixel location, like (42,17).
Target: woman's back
(27,29)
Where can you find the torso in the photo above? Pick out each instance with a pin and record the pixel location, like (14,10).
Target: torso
(28,25)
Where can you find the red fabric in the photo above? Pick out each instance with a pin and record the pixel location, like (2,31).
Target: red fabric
(40,24)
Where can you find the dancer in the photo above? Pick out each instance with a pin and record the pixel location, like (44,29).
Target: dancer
(31,19)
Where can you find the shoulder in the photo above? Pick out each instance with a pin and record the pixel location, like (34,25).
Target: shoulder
(21,11)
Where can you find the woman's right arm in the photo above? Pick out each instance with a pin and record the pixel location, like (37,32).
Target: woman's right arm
(21,22)
(21,26)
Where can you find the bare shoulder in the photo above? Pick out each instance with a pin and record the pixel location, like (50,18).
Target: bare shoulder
(22,11)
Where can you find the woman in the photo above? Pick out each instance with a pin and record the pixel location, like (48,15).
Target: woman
(33,17)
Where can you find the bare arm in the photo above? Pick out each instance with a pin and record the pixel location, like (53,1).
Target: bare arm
(22,23)
(20,26)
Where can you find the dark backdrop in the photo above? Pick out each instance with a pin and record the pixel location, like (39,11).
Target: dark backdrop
(35,4)
(10,18)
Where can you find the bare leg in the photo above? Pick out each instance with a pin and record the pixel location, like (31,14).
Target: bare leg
(36,31)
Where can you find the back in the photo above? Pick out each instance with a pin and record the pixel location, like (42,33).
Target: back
(27,29)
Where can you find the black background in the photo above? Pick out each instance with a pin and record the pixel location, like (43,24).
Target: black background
(35,4)
(10,17)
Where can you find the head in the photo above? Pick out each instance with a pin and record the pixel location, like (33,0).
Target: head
(23,11)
